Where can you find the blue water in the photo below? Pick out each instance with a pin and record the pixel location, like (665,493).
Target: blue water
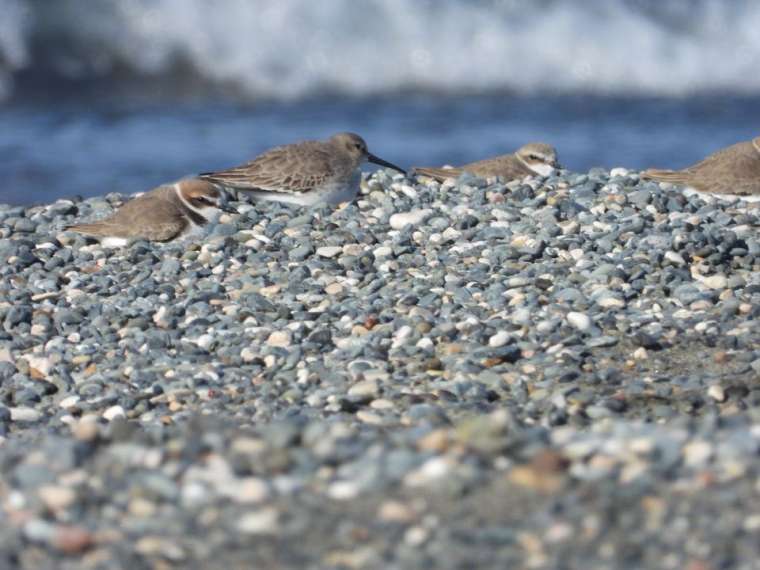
(89,148)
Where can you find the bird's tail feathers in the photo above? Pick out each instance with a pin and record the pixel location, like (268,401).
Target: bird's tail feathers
(93,229)
(665,175)
(439,174)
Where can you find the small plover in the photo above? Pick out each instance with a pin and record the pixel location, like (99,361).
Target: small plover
(165,213)
(529,160)
(303,173)
(730,173)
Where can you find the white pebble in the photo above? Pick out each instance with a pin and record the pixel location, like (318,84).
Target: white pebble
(611,303)
(369,418)
(250,490)
(263,521)
(521,317)
(69,402)
(432,470)
(40,363)
(113,412)
(383,251)
(697,453)
(577,253)
(401,220)
(248,354)
(569,227)
(674,257)
(640,353)
(279,338)
(499,339)
(716,281)
(752,523)
(343,490)
(451,234)
(56,497)
(579,320)
(329,251)
(416,536)
(204,341)
(717,393)
(159,317)
(401,336)
(24,414)
(364,389)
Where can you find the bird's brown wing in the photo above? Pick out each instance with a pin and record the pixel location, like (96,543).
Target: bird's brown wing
(724,159)
(732,170)
(152,216)
(506,166)
(290,169)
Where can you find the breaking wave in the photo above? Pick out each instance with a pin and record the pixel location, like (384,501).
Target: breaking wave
(298,48)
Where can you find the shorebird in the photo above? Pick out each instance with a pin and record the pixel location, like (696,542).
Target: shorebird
(304,173)
(733,172)
(165,213)
(529,160)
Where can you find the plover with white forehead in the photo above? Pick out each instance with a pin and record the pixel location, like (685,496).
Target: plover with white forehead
(529,160)
(303,173)
(165,213)
(730,173)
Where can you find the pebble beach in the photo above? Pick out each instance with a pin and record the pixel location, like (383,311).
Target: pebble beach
(558,372)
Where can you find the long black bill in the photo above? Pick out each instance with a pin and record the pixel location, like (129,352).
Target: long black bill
(376,160)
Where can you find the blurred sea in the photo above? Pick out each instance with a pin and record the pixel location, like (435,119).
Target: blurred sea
(121,95)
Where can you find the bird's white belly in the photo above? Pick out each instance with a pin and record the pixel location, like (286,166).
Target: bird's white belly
(542,169)
(338,192)
(113,241)
(333,192)
(710,196)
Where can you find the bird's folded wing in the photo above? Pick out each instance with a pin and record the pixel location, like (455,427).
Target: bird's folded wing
(165,231)
(149,216)
(506,167)
(721,163)
(281,169)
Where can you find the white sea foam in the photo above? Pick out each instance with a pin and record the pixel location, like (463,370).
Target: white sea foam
(13,43)
(294,48)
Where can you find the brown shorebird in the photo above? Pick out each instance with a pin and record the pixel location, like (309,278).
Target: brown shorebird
(168,212)
(304,173)
(530,160)
(733,172)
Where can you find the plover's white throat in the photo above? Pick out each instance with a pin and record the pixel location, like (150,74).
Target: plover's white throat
(168,212)
(304,173)
(529,160)
(730,173)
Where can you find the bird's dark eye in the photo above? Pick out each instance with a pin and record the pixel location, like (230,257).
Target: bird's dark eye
(203,201)
(535,157)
